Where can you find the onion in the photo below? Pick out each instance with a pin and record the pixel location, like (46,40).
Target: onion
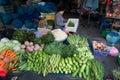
(35,48)
(27,43)
(36,45)
(31,43)
(29,49)
(22,46)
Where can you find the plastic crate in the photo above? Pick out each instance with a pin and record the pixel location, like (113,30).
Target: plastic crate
(99,52)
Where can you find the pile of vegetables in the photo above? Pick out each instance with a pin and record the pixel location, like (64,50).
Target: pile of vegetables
(74,58)
(8,58)
(54,48)
(77,65)
(99,46)
(22,35)
(51,60)
(30,46)
(47,38)
(71,24)
(5,44)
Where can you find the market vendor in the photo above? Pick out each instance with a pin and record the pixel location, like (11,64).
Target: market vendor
(60,22)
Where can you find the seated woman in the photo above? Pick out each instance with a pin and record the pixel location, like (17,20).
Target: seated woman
(60,22)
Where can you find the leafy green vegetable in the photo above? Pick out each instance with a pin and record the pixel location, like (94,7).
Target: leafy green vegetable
(30,36)
(48,38)
(22,35)
(37,41)
(19,35)
(54,48)
(71,24)
(69,51)
(50,22)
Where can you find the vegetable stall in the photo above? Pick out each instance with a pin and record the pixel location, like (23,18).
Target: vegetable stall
(44,55)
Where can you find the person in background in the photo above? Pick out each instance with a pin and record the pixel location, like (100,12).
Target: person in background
(60,22)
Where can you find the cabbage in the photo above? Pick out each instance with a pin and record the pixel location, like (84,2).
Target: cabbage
(5,40)
(2,44)
(16,48)
(9,44)
(15,41)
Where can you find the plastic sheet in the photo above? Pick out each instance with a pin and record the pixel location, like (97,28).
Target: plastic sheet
(113,37)
(6,18)
(28,24)
(17,23)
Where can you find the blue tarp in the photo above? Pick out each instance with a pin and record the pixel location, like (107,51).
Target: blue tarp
(28,24)
(17,23)
(6,18)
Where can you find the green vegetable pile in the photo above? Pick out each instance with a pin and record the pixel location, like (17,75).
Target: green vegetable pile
(50,22)
(22,35)
(47,38)
(71,24)
(54,48)
(75,59)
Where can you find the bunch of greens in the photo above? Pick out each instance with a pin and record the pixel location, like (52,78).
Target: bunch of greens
(22,35)
(69,51)
(19,35)
(54,48)
(30,36)
(47,38)
(71,24)
(37,41)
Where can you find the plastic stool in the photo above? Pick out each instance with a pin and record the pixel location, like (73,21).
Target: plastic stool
(104,23)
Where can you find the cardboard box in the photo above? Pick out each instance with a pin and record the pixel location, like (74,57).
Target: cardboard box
(76,23)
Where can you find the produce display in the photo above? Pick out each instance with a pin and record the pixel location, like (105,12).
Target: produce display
(9,50)
(74,58)
(99,46)
(29,46)
(47,38)
(5,44)
(54,48)
(22,35)
(71,24)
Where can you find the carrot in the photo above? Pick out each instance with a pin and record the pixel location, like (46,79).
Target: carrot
(15,61)
(2,64)
(9,66)
(14,69)
(3,53)
(12,55)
